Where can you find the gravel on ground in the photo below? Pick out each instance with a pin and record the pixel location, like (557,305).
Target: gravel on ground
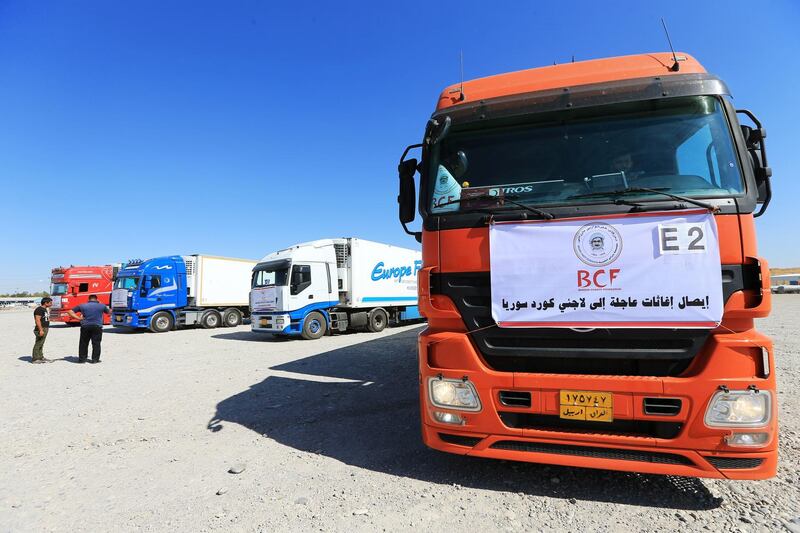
(207,430)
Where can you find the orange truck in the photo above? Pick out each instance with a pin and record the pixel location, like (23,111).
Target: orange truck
(590,274)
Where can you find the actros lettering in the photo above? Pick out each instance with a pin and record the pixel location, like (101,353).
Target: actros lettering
(382,272)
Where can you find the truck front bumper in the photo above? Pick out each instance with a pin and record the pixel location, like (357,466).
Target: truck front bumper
(679,444)
(128,319)
(271,323)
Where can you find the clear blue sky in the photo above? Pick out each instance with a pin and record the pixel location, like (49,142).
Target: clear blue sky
(138,129)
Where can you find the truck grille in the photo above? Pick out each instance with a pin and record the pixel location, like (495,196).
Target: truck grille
(627,352)
(591,451)
(630,428)
(734,463)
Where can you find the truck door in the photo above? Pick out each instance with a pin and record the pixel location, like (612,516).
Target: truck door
(310,284)
(151,293)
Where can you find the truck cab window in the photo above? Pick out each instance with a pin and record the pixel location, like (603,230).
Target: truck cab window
(83,287)
(155,282)
(696,156)
(301,278)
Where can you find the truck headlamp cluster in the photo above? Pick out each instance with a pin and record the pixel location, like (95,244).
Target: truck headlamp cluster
(745,408)
(453,394)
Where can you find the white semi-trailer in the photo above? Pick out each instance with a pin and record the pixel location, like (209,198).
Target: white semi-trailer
(165,293)
(334,285)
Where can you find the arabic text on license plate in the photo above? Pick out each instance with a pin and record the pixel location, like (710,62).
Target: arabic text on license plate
(592,406)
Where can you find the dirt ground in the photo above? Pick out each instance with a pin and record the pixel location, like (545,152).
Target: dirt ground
(327,433)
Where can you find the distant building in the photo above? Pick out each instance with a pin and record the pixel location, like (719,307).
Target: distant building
(785,283)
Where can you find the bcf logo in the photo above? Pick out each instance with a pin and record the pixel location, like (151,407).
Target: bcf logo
(599,279)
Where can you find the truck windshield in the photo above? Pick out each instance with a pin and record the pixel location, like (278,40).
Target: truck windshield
(57,289)
(271,274)
(130,282)
(677,145)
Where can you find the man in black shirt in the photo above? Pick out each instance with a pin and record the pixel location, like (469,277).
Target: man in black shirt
(41,318)
(91,327)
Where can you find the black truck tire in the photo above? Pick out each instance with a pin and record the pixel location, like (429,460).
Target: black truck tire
(161,322)
(231,318)
(377,320)
(210,319)
(314,326)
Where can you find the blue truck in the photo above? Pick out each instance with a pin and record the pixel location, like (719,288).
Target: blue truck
(165,293)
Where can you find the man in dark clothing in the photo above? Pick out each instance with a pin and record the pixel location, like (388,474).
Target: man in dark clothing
(91,327)
(41,318)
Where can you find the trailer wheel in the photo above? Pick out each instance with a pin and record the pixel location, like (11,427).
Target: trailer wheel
(377,320)
(314,326)
(231,318)
(210,319)
(161,322)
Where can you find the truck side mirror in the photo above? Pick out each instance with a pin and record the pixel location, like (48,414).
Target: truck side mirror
(408,191)
(756,149)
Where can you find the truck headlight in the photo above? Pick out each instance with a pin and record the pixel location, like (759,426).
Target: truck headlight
(453,394)
(744,408)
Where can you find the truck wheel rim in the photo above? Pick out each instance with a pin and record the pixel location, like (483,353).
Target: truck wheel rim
(232,319)
(162,322)
(314,326)
(212,320)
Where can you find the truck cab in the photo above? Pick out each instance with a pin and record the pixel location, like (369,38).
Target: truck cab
(144,288)
(604,147)
(290,284)
(72,286)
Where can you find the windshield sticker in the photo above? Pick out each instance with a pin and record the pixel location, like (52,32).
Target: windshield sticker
(446,192)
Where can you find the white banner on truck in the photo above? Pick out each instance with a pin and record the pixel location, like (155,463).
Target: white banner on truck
(648,270)
(119,298)
(264,299)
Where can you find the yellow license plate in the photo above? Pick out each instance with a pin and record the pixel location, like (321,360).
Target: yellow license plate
(263,322)
(592,406)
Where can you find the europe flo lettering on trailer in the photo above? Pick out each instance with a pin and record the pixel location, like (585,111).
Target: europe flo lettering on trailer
(380,271)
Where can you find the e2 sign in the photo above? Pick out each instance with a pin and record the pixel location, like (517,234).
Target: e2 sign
(682,238)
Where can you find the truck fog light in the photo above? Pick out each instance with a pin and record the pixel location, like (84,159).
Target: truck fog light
(128,319)
(453,394)
(744,408)
(747,439)
(448,418)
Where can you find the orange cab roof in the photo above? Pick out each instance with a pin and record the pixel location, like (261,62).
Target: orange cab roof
(569,75)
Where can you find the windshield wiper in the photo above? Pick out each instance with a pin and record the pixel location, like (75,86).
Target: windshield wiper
(633,190)
(543,214)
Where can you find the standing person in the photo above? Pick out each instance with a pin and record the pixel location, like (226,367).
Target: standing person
(41,318)
(91,327)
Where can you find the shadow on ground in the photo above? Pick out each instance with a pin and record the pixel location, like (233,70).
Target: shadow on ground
(68,359)
(250,336)
(124,331)
(374,424)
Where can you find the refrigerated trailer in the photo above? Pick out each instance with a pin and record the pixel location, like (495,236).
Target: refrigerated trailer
(334,285)
(168,292)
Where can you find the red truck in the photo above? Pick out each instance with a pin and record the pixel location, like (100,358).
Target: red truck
(590,271)
(71,286)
